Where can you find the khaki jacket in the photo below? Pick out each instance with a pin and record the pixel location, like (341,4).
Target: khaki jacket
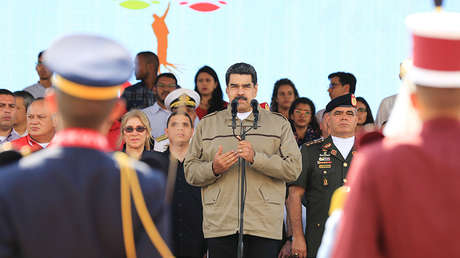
(277,160)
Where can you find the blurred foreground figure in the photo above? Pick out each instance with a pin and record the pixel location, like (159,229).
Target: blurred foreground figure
(64,201)
(404,193)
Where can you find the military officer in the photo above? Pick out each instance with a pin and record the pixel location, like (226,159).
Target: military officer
(64,201)
(325,164)
(179,99)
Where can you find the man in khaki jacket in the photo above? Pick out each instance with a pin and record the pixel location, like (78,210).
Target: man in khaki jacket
(272,159)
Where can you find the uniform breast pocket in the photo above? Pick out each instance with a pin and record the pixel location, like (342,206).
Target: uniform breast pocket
(210,194)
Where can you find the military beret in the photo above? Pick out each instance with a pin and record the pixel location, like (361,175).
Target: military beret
(182,97)
(347,100)
(88,66)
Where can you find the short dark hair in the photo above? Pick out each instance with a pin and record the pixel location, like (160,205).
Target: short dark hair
(40,54)
(176,114)
(216,103)
(345,78)
(6,92)
(313,122)
(28,98)
(150,58)
(241,68)
(169,75)
(369,117)
(278,83)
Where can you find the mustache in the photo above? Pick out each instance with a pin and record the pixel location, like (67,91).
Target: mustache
(240,97)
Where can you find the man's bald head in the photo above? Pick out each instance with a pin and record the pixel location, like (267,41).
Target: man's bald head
(40,121)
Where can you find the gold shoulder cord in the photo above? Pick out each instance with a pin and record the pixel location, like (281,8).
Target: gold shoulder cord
(130,183)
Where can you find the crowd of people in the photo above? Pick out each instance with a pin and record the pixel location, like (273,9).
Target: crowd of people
(160,119)
(211,178)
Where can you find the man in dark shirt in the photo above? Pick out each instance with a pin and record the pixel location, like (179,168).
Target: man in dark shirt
(187,214)
(142,94)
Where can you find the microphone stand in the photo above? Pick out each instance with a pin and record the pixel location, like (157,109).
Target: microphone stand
(242,168)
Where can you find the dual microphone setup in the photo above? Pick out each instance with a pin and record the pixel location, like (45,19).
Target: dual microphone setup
(255,111)
(242,162)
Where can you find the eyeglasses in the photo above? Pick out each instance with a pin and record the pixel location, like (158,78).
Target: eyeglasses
(332,85)
(163,86)
(362,110)
(130,129)
(302,112)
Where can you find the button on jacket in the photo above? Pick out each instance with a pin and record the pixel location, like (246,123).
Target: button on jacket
(277,160)
(324,170)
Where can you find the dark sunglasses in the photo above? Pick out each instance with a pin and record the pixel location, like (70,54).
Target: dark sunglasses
(130,129)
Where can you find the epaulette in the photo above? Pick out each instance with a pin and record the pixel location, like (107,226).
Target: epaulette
(265,106)
(161,138)
(314,142)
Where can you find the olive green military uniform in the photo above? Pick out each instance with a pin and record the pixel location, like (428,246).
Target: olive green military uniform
(323,171)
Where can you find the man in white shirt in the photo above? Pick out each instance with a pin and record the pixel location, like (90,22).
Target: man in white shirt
(158,113)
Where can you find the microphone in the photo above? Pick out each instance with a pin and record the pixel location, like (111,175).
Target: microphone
(234,111)
(255,111)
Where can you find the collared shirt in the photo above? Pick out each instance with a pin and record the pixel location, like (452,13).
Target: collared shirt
(10,137)
(344,144)
(37,90)
(138,96)
(34,146)
(157,117)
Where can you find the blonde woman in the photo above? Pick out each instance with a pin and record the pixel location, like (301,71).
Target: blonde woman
(135,133)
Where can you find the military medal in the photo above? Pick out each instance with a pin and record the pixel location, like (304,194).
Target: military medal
(334,152)
(326,146)
(325,182)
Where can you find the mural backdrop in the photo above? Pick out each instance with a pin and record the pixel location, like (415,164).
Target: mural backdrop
(298,39)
